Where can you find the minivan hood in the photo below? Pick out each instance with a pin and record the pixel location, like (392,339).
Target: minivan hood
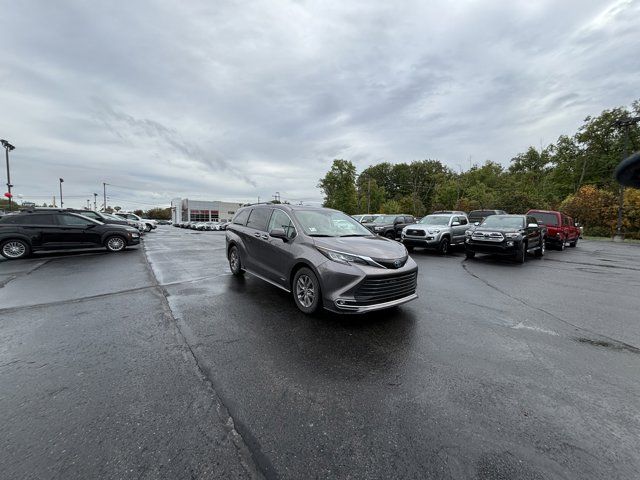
(374,247)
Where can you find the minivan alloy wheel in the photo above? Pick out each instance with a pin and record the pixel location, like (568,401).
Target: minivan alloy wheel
(14,249)
(305,291)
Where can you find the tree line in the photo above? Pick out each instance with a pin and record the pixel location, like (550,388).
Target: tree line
(574,175)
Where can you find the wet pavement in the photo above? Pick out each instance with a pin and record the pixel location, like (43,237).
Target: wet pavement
(160,364)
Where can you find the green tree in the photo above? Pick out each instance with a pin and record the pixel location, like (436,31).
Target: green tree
(339,187)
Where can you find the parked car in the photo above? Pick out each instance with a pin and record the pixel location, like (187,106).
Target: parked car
(164,222)
(477,216)
(364,218)
(390,226)
(309,252)
(561,229)
(437,232)
(147,222)
(509,235)
(26,232)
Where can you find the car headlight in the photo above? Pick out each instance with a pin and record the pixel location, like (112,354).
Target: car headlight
(378,228)
(512,235)
(435,230)
(341,257)
(468,233)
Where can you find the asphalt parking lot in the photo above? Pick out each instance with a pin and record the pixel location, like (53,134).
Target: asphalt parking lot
(157,363)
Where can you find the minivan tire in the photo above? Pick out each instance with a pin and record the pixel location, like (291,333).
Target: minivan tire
(235,264)
(521,256)
(14,249)
(306,291)
(115,243)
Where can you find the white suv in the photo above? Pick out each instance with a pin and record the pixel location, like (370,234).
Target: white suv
(147,222)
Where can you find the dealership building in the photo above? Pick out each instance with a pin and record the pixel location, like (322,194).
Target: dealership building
(187,210)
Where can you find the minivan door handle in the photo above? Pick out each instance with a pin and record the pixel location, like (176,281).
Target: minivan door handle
(257,234)
(265,236)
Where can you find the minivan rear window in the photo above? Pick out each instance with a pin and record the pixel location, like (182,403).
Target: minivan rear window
(241,217)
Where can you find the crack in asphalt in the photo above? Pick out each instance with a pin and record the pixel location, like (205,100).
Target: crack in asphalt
(253,460)
(615,344)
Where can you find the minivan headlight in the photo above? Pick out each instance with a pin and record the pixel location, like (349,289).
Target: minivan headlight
(341,257)
(512,235)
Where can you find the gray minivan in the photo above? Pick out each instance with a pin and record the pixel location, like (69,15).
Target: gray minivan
(322,256)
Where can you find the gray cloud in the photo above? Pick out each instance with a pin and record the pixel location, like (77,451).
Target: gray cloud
(229,100)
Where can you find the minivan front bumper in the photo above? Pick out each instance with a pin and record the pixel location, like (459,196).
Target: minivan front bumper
(361,289)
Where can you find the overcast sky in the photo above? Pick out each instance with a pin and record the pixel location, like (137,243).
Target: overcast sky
(235,100)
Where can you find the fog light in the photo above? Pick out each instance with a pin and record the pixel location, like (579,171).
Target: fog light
(340,302)
(509,244)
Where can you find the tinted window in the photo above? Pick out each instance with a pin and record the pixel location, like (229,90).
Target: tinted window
(37,219)
(258,218)
(72,220)
(241,217)
(93,215)
(462,220)
(409,220)
(546,218)
(279,219)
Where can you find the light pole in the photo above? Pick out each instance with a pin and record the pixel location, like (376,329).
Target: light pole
(61,202)
(7,148)
(104,190)
(625,123)
(95,196)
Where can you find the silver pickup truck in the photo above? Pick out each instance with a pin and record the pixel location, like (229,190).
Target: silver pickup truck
(437,232)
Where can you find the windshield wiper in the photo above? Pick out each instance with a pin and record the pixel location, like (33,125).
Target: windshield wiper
(356,235)
(320,235)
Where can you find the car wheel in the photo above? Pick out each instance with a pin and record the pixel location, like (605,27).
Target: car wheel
(562,245)
(521,256)
(574,243)
(147,228)
(235,264)
(443,248)
(390,235)
(541,249)
(469,254)
(14,249)
(306,291)
(115,243)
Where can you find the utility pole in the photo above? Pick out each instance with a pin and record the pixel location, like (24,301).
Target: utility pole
(368,194)
(88,204)
(61,202)
(95,196)
(104,188)
(625,123)
(7,148)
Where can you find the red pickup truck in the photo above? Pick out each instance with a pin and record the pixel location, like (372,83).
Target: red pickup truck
(561,229)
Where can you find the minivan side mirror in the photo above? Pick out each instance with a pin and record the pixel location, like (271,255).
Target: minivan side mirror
(279,233)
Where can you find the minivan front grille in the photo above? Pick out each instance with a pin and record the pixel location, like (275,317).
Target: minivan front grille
(385,289)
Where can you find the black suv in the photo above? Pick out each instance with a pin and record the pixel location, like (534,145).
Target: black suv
(509,235)
(26,232)
(390,226)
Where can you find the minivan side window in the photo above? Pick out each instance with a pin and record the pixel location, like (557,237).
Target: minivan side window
(279,219)
(241,217)
(258,218)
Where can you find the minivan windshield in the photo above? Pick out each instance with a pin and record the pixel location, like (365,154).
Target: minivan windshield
(435,220)
(329,223)
(503,221)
